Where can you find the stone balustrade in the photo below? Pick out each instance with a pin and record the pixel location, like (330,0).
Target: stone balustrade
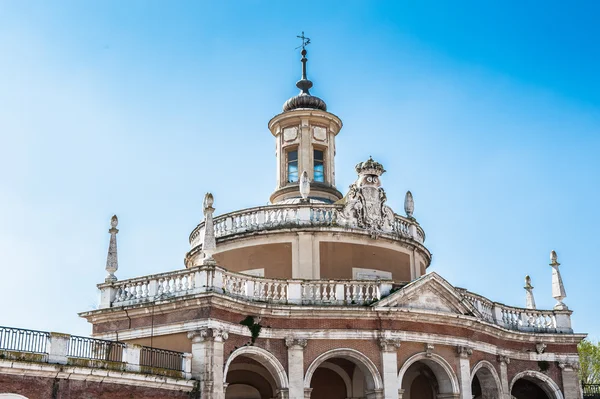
(209,278)
(520,319)
(216,279)
(296,215)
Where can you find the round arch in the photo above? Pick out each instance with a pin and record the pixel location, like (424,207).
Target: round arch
(364,363)
(11,396)
(547,384)
(341,372)
(490,376)
(443,372)
(263,357)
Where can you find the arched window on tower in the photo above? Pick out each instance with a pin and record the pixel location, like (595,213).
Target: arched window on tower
(318,166)
(292,165)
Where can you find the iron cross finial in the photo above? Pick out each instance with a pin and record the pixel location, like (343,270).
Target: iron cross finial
(305,41)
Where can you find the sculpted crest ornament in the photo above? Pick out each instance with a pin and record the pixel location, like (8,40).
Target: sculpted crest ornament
(365,202)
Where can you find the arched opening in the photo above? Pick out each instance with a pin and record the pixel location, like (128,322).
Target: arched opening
(253,373)
(524,389)
(534,385)
(341,374)
(426,377)
(485,383)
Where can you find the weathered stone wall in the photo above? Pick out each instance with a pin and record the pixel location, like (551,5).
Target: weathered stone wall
(50,388)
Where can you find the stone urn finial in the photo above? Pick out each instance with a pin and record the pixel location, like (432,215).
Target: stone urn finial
(529,299)
(409,205)
(304,185)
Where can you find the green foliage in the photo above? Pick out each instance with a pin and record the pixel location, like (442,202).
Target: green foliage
(543,365)
(252,326)
(195,392)
(589,361)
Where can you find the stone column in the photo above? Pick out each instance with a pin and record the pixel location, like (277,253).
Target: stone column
(389,361)
(208,361)
(464,370)
(505,389)
(296,367)
(570,379)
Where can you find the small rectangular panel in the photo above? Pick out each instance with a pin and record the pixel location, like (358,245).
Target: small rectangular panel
(290,133)
(370,274)
(254,272)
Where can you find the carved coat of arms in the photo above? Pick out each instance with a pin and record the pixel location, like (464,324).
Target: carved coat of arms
(365,202)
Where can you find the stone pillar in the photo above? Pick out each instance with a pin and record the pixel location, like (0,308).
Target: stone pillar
(570,380)
(131,357)
(208,361)
(306,258)
(504,388)
(296,367)
(464,371)
(389,361)
(58,345)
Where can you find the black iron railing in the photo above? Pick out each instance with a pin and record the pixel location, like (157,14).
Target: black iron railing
(97,349)
(162,358)
(16,339)
(591,391)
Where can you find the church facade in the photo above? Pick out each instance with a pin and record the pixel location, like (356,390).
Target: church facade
(320,294)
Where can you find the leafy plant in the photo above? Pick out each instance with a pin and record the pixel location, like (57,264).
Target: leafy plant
(252,326)
(589,361)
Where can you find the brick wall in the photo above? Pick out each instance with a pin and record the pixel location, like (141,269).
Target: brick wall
(49,388)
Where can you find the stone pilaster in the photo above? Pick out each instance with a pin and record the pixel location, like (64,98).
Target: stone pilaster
(504,362)
(464,368)
(570,380)
(389,361)
(208,361)
(296,367)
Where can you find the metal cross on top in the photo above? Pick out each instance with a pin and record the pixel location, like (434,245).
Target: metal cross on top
(305,41)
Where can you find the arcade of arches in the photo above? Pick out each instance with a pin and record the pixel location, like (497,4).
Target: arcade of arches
(346,374)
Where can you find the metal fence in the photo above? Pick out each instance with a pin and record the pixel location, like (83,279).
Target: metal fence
(97,349)
(162,358)
(16,339)
(591,391)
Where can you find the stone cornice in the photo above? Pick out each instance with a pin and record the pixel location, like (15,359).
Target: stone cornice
(242,307)
(435,340)
(93,375)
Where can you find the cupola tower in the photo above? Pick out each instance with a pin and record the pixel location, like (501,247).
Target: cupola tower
(305,141)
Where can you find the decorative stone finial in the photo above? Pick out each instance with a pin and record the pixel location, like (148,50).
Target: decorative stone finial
(112,261)
(304,99)
(209,243)
(409,205)
(558,290)
(304,185)
(529,300)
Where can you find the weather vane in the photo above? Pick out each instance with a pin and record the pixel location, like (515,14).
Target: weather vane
(305,41)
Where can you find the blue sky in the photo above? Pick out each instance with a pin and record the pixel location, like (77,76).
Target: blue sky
(489,114)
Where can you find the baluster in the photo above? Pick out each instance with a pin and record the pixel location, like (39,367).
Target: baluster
(361,296)
(128,292)
(146,290)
